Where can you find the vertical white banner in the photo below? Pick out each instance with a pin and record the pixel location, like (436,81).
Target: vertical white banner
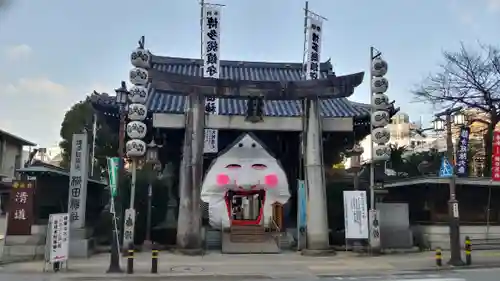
(78,176)
(211,68)
(374,218)
(128,230)
(314,30)
(355,215)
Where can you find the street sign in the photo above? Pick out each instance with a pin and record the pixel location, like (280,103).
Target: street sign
(446,169)
(113,174)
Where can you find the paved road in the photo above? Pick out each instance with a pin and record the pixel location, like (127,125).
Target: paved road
(458,275)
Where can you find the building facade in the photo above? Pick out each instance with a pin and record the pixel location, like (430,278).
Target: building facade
(11,154)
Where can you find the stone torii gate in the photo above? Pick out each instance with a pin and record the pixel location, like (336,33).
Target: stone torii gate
(197,89)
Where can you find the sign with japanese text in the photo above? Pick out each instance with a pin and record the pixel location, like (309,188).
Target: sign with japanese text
(314,48)
(20,212)
(58,238)
(356,214)
(495,165)
(211,41)
(128,230)
(211,68)
(462,162)
(78,176)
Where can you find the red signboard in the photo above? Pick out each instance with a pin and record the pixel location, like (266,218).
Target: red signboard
(495,165)
(21,208)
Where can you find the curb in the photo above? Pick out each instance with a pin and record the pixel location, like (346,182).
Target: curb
(163,276)
(21,260)
(443,269)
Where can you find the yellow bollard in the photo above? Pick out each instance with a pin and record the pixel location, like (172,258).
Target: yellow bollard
(468,251)
(439,257)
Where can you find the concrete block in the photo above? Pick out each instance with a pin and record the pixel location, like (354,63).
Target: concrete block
(39,229)
(40,251)
(12,240)
(81,248)
(20,251)
(82,233)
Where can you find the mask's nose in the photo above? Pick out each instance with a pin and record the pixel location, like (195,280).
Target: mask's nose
(246,180)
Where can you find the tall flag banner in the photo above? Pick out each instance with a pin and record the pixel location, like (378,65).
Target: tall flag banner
(495,167)
(113,163)
(314,30)
(211,68)
(462,162)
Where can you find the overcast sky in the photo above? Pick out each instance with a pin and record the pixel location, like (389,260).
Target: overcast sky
(54,52)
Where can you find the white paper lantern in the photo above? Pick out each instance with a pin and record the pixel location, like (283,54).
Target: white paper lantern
(379,67)
(381,153)
(141,58)
(379,85)
(381,135)
(139,76)
(138,94)
(380,101)
(135,148)
(136,130)
(137,112)
(380,118)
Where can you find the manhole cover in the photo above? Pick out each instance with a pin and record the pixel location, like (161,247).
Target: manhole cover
(187,269)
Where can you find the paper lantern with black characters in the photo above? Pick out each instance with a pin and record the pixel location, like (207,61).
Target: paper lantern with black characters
(381,135)
(135,148)
(139,76)
(141,58)
(380,118)
(137,112)
(380,85)
(381,153)
(379,67)
(380,101)
(138,94)
(136,130)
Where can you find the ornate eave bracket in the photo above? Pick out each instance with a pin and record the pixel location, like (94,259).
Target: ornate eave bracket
(330,87)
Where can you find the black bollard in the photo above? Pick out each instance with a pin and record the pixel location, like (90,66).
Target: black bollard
(439,257)
(154,260)
(468,251)
(130,260)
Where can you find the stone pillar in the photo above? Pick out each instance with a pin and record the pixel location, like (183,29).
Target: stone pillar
(189,221)
(317,220)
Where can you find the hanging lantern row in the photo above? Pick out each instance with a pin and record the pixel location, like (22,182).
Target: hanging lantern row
(138,95)
(380,116)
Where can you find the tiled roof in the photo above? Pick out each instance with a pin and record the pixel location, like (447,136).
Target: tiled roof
(165,102)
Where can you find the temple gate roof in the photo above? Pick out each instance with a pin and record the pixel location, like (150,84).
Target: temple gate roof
(163,101)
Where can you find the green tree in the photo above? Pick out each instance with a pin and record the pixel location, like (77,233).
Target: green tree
(396,160)
(80,118)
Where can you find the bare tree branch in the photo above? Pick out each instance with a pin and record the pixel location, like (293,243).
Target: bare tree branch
(4,5)
(469,78)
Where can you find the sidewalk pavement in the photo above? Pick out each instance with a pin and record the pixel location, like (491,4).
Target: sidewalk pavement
(287,264)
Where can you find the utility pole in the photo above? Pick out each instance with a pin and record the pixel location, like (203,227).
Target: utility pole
(455,245)
(114,264)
